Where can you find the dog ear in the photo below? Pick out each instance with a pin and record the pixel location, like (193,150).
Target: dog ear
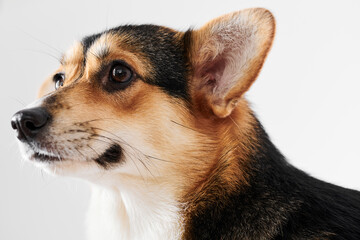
(226,56)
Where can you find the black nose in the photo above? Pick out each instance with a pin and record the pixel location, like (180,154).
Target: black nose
(29,122)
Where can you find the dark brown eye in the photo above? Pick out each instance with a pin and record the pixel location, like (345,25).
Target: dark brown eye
(120,74)
(59,80)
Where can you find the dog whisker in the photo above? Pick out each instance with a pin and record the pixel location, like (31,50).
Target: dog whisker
(43,52)
(97,154)
(19,101)
(130,157)
(97,139)
(114,135)
(42,42)
(136,151)
(96,119)
(184,126)
(85,158)
(121,141)
(143,163)
(159,159)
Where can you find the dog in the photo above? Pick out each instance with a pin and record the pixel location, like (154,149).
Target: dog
(157,122)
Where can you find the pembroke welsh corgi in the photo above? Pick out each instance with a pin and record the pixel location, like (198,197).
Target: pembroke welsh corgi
(157,122)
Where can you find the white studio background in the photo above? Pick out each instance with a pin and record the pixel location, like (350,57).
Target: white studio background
(307,95)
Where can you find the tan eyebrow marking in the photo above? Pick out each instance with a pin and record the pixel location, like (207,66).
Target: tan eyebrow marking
(101,47)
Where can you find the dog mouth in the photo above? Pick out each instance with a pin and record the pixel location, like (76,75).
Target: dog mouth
(111,155)
(42,157)
(42,151)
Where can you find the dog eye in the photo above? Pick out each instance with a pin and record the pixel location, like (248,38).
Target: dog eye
(59,80)
(120,74)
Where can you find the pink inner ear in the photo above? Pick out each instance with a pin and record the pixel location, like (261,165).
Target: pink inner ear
(213,72)
(231,52)
(228,54)
(225,58)
(223,73)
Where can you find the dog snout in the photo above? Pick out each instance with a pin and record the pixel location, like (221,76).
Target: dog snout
(28,123)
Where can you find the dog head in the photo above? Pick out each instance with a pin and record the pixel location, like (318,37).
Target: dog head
(147,102)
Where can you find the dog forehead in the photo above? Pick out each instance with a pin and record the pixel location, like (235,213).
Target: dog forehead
(140,36)
(163,48)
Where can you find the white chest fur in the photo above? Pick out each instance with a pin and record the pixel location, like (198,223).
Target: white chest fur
(136,214)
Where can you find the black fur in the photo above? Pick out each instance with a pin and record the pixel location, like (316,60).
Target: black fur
(281,202)
(112,155)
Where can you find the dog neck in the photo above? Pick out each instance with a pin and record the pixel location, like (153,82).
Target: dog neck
(249,192)
(133,210)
